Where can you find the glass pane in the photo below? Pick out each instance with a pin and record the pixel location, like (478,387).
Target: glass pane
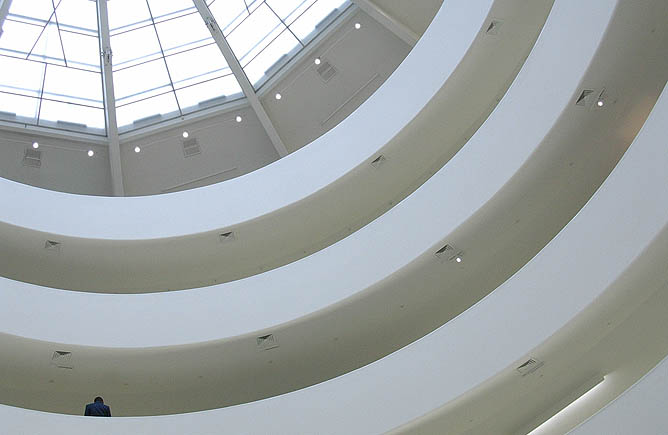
(166,9)
(197,65)
(310,23)
(73,86)
(142,81)
(183,33)
(48,47)
(272,58)
(71,116)
(228,13)
(254,33)
(19,106)
(289,10)
(21,76)
(163,105)
(127,14)
(81,51)
(209,93)
(37,9)
(131,48)
(77,15)
(18,38)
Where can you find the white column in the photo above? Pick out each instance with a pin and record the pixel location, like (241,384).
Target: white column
(387,21)
(238,72)
(110,101)
(4,10)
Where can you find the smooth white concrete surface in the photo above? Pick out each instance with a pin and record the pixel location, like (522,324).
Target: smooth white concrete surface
(482,168)
(639,410)
(270,188)
(547,293)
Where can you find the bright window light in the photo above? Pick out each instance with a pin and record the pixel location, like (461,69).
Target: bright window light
(35,145)
(59,42)
(165,61)
(544,427)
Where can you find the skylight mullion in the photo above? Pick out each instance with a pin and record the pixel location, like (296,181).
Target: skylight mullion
(286,26)
(4,11)
(41,92)
(60,38)
(171,82)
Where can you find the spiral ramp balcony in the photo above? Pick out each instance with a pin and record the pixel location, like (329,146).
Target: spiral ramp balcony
(479,244)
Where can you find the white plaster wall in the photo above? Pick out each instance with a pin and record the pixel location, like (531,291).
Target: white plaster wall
(363,58)
(229,149)
(65,165)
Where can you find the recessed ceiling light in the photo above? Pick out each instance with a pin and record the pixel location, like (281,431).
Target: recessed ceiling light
(458,259)
(35,145)
(599,103)
(317,61)
(91,153)
(185,134)
(358,26)
(239,118)
(278,96)
(137,149)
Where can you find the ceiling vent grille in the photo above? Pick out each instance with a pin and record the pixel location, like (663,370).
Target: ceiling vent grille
(378,161)
(62,359)
(191,147)
(32,158)
(227,237)
(493,28)
(51,245)
(530,366)
(326,70)
(449,253)
(266,342)
(583,98)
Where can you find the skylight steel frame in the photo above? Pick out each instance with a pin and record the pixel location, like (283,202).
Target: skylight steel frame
(112,137)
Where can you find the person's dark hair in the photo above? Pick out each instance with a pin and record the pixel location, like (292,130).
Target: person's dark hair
(98,399)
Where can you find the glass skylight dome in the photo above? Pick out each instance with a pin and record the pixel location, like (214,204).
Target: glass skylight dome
(164,64)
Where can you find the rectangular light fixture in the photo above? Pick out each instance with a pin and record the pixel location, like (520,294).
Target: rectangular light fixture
(588,388)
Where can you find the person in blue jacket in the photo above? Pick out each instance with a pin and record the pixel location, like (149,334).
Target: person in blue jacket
(97,408)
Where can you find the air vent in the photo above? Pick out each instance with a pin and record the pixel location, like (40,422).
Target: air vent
(227,237)
(32,158)
(191,147)
(583,98)
(325,70)
(493,27)
(530,366)
(266,342)
(378,161)
(62,359)
(53,246)
(449,253)
(71,125)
